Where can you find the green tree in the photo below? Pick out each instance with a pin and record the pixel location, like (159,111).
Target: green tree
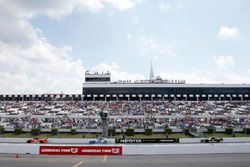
(54,131)
(18,131)
(130,132)
(35,131)
(148,132)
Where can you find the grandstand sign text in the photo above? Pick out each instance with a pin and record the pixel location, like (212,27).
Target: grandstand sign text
(148,140)
(81,150)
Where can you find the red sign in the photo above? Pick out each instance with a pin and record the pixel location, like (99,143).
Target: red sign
(81,150)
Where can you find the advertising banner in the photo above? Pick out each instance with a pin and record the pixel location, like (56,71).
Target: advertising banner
(81,150)
(148,140)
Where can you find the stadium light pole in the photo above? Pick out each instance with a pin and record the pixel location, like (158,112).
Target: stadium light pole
(122,131)
(53,114)
(104,116)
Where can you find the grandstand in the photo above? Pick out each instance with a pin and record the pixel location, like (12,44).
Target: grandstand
(153,103)
(97,88)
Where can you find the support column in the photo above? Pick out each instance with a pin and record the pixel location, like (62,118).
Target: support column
(197,97)
(104,115)
(241,97)
(140,98)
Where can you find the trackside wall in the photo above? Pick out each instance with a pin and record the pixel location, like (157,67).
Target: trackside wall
(19,148)
(142,149)
(186,149)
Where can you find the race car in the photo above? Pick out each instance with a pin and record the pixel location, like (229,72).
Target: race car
(100,140)
(37,140)
(211,140)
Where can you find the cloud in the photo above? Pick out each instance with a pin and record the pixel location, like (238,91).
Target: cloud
(164,7)
(122,5)
(29,8)
(97,5)
(207,76)
(116,73)
(223,62)
(193,76)
(228,32)
(149,47)
(136,20)
(29,63)
(60,8)
(91,5)
(41,68)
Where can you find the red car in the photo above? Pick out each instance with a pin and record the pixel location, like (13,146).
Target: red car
(37,140)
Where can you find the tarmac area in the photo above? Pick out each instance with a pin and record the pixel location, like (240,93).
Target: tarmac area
(211,160)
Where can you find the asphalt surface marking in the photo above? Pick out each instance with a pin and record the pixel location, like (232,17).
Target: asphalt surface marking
(105,159)
(78,164)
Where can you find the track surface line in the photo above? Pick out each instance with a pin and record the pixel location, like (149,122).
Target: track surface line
(105,158)
(78,164)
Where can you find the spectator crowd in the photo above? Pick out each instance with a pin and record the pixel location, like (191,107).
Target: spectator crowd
(125,114)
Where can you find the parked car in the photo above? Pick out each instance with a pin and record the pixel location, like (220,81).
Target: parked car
(212,140)
(37,140)
(100,140)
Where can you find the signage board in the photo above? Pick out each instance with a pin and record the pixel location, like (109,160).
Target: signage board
(81,150)
(148,140)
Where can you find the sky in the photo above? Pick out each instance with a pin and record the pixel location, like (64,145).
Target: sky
(46,46)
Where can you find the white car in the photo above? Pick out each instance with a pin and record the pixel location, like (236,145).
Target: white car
(100,140)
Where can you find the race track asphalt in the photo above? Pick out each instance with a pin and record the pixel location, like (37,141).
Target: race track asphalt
(211,160)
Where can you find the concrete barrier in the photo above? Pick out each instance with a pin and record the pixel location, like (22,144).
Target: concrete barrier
(225,140)
(54,140)
(112,141)
(19,148)
(156,149)
(75,141)
(13,140)
(190,140)
(174,149)
(236,140)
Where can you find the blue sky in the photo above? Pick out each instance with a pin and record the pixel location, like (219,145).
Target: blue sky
(200,41)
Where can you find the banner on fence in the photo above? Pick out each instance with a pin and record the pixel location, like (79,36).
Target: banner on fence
(81,150)
(148,140)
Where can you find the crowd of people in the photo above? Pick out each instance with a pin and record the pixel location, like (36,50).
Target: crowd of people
(125,114)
